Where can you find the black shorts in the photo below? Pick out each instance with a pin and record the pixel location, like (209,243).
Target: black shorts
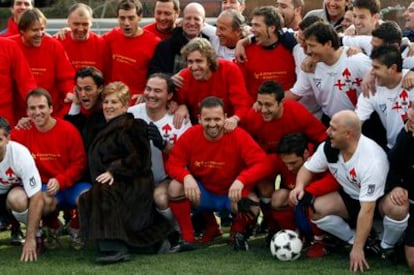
(409,232)
(353,207)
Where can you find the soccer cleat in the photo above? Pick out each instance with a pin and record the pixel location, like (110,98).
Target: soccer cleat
(317,250)
(113,257)
(240,242)
(75,240)
(52,238)
(209,236)
(181,247)
(17,237)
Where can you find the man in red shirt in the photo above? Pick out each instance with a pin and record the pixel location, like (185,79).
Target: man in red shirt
(166,13)
(217,174)
(59,154)
(16,9)
(131,48)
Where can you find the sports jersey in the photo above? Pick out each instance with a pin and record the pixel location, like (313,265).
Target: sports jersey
(168,132)
(226,82)
(12,28)
(295,118)
(363,176)
(16,81)
(131,57)
(58,153)
(217,164)
(152,28)
(51,69)
(391,106)
(308,100)
(18,168)
(83,53)
(268,64)
(360,41)
(335,87)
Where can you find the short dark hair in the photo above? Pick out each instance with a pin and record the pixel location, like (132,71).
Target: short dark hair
(293,143)
(13,1)
(271,87)
(374,6)
(39,92)
(92,72)
(176,3)
(4,124)
(28,17)
(130,5)
(168,81)
(389,31)
(323,33)
(211,102)
(272,17)
(309,20)
(388,55)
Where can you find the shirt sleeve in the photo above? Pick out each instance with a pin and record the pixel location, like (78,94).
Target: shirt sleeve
(27,172)
(365,107)
(302,85)
(318,162)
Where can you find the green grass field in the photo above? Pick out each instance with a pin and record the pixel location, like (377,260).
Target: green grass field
(218,258)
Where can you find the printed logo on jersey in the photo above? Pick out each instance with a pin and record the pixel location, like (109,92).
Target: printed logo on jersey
(166,133)
(318,82)
(345,83)
(353,178)
(10,178)
(32,182)
(209,164)
(402,104)
(383,107)
(371,189)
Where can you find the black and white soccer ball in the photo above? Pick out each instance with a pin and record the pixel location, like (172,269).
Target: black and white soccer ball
(286,245)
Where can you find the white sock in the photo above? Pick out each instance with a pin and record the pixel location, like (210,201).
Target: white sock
(21,216)
(393,231)
(336,226)
(170,217)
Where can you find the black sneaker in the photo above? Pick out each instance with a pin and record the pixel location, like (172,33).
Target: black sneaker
(240,242)
(17,237)
(182,246)
(112,257)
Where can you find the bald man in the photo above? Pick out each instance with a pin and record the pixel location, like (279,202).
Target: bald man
(360,166)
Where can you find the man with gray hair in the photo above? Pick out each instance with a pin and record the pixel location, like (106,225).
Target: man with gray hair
(238,5)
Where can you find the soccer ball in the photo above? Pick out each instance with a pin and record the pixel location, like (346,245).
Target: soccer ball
(286,245)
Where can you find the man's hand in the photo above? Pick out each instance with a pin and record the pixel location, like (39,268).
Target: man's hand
(235,191)
(240,51)
(178,80)
(105,178)
(172,107)
(350,30)
(408,80)
(155,135)
(29,251)
(357,261)
(180,116)
(52,187)
(191,190)
(308,66)
(230,123)
(137,99)
(62,33)
(368,85)
(295,195)
(398,196)
(24,123)
(69,97)
(353,50)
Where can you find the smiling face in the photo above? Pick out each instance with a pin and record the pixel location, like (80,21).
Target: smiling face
(232,4)
(39,111)
(269,107)
(336,8)
(112,106)
(364,21)
(316,50)
(409,17)
(128,22)
(80,23)
(288,11)
(193,20)
(224,31)
(212,121)
(33,35)
(265,35)
(198,65)
(165,16)
(19,7)
(156,94)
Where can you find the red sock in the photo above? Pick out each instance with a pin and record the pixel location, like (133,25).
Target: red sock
(74,219)
(267,218)
(212,226)
(243,222)
(52,220)
(182,214)
(285,218)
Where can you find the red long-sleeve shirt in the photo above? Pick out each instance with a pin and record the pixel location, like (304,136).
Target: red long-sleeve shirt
(16,80)
(226,83)
(131,57)
(295,118)
(217,164)
(58,153)
(12,28)
(51,69)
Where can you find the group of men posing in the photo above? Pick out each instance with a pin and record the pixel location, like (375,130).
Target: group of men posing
(185,72)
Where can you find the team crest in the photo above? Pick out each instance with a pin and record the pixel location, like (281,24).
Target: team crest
(318,82)
(383,107)
(32,182)
(353,178)
(371,189)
